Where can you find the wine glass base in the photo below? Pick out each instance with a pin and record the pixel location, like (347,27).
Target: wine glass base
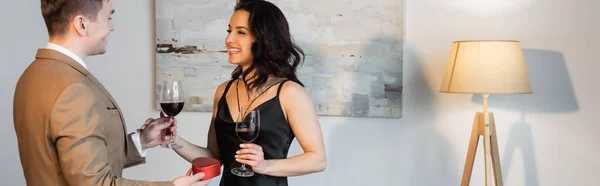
(242,172)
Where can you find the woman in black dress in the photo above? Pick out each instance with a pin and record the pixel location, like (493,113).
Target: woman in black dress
(259,42)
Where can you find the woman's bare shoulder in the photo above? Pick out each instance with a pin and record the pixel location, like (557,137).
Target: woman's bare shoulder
(221,89)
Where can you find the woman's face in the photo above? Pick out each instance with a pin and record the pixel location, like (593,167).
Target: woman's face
(239,40)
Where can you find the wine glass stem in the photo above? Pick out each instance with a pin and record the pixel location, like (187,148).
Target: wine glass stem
(172,140)
(244,167)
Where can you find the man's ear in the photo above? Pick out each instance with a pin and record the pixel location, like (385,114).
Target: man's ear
(81,25)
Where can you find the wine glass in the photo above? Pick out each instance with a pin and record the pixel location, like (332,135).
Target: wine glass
(171,102)
(247,130)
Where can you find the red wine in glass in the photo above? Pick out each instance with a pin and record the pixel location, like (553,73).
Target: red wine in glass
(172,109)
(171,102)
(247,130)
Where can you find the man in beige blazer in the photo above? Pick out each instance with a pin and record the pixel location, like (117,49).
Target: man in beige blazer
(70,130)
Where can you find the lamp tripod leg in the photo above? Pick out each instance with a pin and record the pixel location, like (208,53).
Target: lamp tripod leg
(491,154)
(476,131)
(487,149)
(495,155)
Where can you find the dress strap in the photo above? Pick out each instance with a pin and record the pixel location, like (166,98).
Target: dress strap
(227,88)
(280,85)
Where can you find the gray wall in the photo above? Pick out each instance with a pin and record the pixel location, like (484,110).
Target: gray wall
(545,138)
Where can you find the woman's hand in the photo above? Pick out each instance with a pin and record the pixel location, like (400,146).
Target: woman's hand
(252,154)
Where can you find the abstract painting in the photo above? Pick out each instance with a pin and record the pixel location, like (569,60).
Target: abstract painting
(353,62)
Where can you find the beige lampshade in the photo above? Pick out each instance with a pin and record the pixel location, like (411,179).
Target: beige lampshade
(486,67)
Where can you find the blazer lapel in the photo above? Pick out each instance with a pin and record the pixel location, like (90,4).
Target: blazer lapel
(112,100)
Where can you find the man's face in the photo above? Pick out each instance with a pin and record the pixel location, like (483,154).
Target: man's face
(99,30)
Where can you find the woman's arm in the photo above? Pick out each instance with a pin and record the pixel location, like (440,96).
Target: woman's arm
(191,151)
(302,117)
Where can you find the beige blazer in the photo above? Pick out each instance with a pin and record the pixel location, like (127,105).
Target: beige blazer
(69,128)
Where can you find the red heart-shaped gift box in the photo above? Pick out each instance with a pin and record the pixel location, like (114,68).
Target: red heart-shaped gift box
(209,166)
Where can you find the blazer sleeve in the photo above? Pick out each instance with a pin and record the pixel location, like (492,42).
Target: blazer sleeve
(76,130)
(133,155)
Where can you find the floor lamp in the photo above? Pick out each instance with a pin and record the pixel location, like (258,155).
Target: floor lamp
(485,67)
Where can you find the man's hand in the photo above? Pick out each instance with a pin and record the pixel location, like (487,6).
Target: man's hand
(153,133)
(191,180)
(162,115)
